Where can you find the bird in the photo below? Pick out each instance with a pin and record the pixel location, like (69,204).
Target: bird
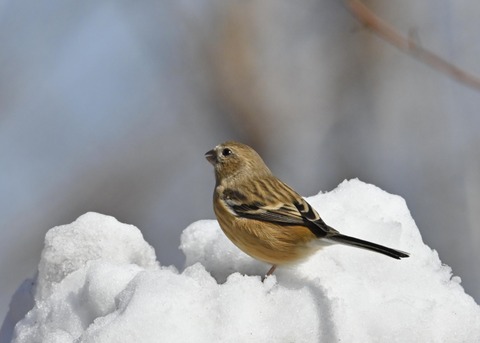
(266,218)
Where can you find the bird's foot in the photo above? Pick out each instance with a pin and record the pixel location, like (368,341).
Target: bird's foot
(270,272)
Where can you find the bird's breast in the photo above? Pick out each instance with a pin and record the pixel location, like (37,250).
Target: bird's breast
(266,241)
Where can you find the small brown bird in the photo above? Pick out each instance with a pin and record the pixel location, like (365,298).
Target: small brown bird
(264,217)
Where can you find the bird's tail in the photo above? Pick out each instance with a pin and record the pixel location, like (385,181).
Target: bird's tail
(343,239)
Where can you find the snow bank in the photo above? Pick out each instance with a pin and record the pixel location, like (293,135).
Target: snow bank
(98,281)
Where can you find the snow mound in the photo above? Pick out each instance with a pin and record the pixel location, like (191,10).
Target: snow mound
(99,281)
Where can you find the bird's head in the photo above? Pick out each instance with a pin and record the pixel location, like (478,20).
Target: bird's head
(233,160)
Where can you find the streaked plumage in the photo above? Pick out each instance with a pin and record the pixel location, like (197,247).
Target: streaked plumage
(266,218)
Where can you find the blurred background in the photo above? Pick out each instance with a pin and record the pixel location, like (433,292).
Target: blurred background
(109,106)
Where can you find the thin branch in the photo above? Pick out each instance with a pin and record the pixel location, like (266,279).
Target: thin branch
(385,31)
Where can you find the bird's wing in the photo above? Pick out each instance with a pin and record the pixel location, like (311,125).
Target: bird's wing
(291,212)
(280,213)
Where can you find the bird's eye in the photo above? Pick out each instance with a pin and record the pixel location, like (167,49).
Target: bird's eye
(226,152)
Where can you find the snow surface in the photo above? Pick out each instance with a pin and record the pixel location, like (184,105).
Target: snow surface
(99,281)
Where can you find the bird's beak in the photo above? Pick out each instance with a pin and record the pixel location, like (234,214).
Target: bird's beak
(211,156)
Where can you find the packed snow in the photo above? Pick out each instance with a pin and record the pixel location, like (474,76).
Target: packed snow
(99,281)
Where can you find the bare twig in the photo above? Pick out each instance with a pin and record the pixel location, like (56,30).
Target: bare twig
(385,31)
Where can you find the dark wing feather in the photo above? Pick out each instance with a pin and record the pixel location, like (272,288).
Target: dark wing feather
(296,212)
(315,222)
(280,213)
